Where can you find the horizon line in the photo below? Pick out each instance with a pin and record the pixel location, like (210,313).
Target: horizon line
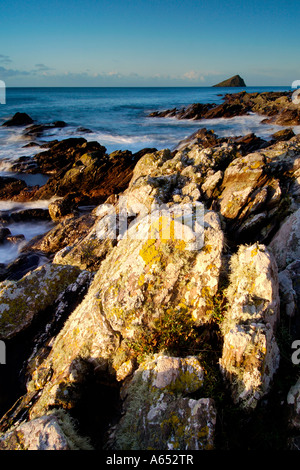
(143,86)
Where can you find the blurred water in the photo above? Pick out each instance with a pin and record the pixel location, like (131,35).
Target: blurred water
(115,117)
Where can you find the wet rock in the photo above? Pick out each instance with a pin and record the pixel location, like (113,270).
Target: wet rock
(204,137)
(15,239)
(276,105)
(95,173)
(4,233)
(64,153)
(31,144)
(227,110)
(19,119)
(249,143)
(250,354)
(284,134)
(156,412)
(62,207)
(10,187)
(84,130)
(36,130)
(26,215)
(25,164)
(286,117)
(67,232)
(23,264)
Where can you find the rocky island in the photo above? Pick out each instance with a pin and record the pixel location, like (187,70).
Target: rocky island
(119,342)
(235,81)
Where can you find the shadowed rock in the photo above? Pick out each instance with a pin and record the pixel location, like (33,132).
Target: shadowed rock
(19,119)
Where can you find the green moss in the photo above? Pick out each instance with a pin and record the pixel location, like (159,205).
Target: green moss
(22,299)
(70,429)
(129,433)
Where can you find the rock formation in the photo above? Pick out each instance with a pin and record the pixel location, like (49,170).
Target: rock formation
(162,317)
(275,107)
(235,81)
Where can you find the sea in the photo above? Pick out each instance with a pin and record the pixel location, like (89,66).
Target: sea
(117,118)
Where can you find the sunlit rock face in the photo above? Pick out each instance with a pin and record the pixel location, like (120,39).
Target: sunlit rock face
(250,355)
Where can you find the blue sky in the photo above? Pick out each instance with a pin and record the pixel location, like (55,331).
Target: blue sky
(148,42)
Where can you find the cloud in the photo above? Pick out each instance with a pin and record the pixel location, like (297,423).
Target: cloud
(8,73)
(43,75)
(193,75)
(42,68)
(5,59)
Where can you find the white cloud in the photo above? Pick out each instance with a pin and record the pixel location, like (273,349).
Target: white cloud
(5,59)
(42,68)
(193,75)
(7,73)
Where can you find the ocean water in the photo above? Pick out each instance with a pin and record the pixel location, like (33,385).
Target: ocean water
(115,117)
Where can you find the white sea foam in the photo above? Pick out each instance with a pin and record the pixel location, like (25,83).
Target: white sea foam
(10,251)
(29,229)
(12,144)
(296,129)
(13,206)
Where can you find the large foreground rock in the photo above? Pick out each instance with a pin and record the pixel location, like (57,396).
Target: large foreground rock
(250,353)
(139,282)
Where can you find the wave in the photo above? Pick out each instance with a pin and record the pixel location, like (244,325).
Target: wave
(13,206)
(226,127)
(10,251)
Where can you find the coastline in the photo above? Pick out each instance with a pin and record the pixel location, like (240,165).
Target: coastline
(235,298)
